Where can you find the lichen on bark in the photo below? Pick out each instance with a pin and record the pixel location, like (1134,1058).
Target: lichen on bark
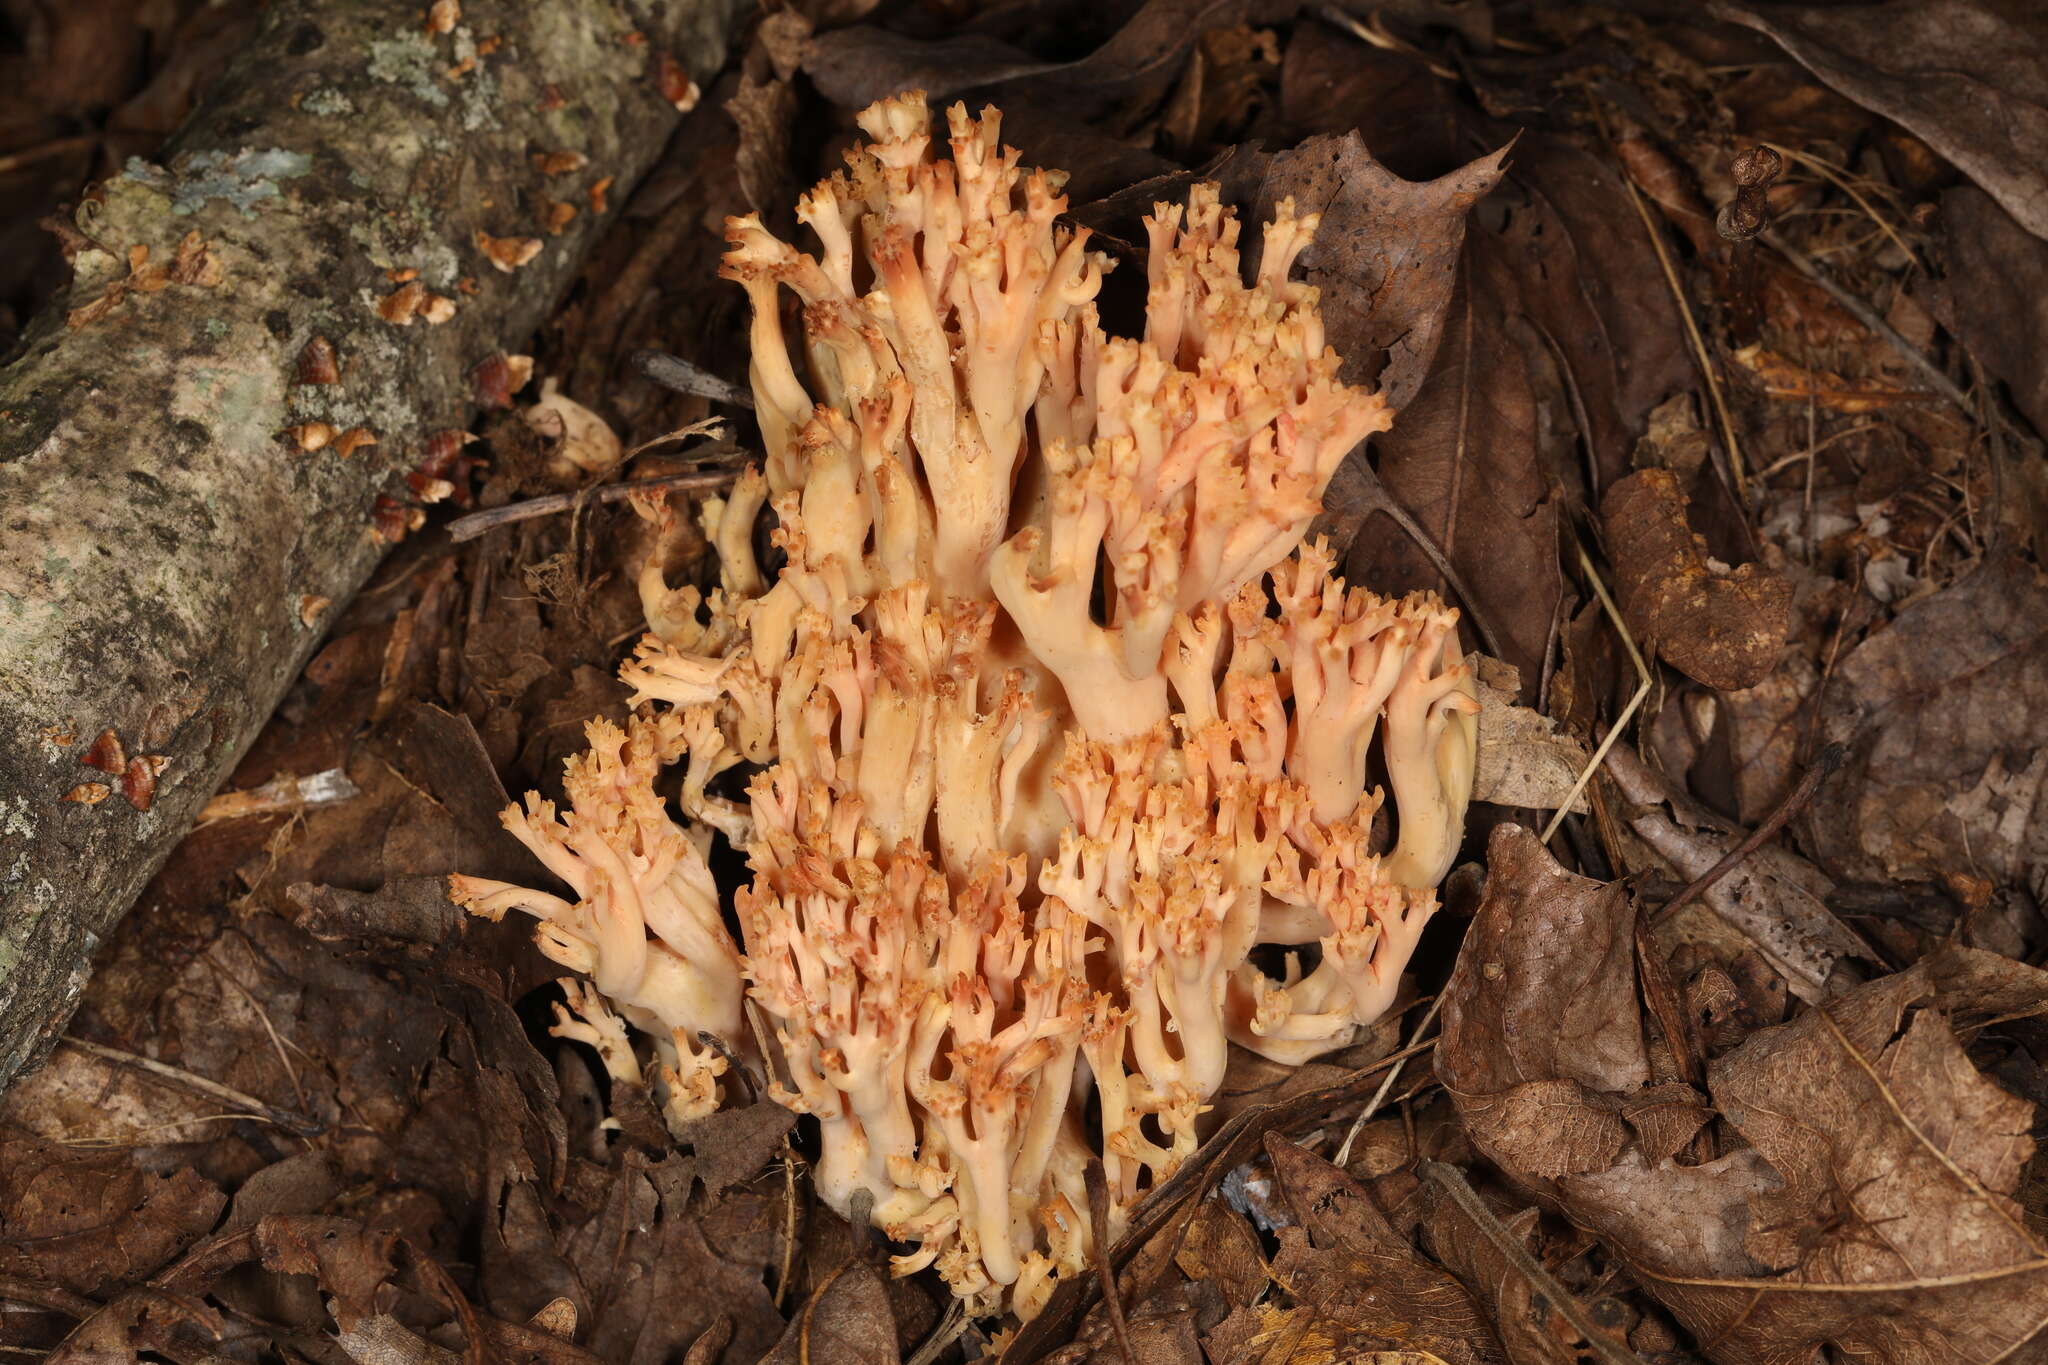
(157,530)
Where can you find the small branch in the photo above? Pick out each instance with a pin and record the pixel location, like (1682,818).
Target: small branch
(250,1106)
(1098,1216)
(476,523)
(1828,760)
(674,372)
(1393,1074)
(1660,992)
(1866,315)
(949,1330)
(1452,1181)
(1730,445)
(1621,721)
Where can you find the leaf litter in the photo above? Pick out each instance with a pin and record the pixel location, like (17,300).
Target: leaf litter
(311,1112)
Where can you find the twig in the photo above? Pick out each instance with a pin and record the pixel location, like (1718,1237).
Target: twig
(255,1108)
(674,372)
(789,1228)
(1824,763)
(803,1338)
(476,523)
(1839,178)
(1620,722)
(14,161)
(53,1297)
(1098,1218)
(1452,1181)
(945,1334)
(281,795)
(1867,315)
(1393,1072)
(1372,32)
(1661,994)
(1692,329)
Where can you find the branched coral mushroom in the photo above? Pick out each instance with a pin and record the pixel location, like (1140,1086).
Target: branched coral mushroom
(1051,715)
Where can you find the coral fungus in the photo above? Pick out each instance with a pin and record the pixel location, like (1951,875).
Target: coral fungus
(1048,719)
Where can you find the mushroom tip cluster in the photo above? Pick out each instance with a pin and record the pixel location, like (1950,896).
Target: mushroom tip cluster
(1060,757)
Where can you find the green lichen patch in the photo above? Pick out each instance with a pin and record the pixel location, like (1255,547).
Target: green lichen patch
(328,102)
(411,63)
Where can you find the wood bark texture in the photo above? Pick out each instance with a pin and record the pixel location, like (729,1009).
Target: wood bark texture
(169,551)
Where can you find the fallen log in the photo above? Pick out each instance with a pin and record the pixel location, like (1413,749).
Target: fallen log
(205,447)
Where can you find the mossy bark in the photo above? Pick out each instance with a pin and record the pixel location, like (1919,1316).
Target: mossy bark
(164,547)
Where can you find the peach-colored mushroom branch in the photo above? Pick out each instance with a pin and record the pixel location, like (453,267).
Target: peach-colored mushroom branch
(1049,719)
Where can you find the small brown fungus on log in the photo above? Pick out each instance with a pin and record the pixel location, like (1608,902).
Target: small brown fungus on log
(508,253)
(106,753)
(318,364)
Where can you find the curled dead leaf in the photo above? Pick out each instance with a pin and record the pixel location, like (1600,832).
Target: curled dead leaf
(555,216)
(1874,1209)
(1721,627)
(585,442)
(401,304)
(673,80)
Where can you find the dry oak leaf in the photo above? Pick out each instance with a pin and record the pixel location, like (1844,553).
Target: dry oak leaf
(1543,1050)
(1721,627)
(1873,1212)
(1970,77)
(94,1221)
(1358,1286)
(1945,712)
(1524,759)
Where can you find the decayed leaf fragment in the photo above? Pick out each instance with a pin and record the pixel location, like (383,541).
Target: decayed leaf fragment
(1543,1046)
(412,299)
(1358,1286)
(1724,628)
(1874,1210)
(1774,897)
(1945,712)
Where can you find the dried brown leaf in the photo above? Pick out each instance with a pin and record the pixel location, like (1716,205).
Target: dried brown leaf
(845,1322)
(855,66)
(1722,627)
(1519,1313)
(1945,712)
(95,1221)
(1466,459)
(655,1284)
(1994,294)
(1774,897)
(1368,1288)
(1968,76)
(1874,1212)
(349,1261)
